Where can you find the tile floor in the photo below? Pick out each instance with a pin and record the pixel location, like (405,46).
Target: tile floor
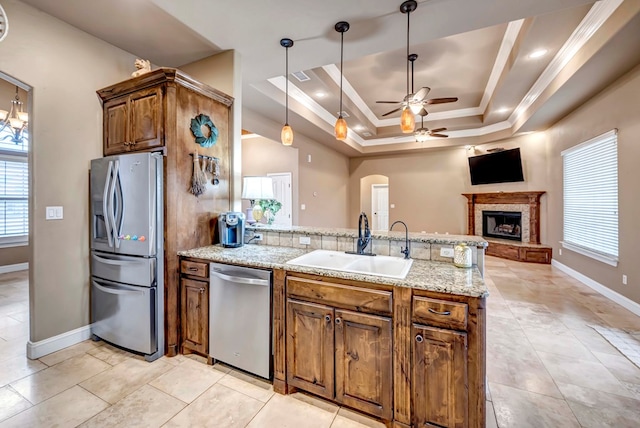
(547,367)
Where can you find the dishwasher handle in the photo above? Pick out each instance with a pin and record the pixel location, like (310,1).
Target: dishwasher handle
(240,279)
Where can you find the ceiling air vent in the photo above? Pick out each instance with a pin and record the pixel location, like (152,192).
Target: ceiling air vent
(366,134)
(301,76)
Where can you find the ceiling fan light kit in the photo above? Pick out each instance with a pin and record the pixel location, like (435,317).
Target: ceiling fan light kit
(341,124)
(286,136)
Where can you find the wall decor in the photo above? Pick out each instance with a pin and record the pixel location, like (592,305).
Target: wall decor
(142,66)
(196,129)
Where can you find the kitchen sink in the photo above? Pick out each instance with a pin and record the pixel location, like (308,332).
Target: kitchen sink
(392,267)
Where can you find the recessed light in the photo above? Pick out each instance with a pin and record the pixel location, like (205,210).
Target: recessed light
(502,110)
(358,127)
(320,94)
(537,53)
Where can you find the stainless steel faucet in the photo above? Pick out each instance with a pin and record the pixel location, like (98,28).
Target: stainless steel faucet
(404,250)
(364,236)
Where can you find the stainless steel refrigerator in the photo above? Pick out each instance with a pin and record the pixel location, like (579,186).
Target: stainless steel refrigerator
(127,252)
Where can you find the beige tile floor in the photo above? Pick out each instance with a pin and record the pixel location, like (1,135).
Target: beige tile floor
(547,367)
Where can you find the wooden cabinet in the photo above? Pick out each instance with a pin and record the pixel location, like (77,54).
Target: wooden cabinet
(439,379)
(194,307)
(133,122)
(336,352)
(195,316)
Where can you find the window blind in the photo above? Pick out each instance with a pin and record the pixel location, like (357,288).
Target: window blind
(590,176)
(14,197)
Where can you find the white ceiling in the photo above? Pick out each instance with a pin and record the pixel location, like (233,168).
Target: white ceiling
(474,50)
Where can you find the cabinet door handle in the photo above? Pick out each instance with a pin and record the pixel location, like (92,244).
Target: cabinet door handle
(338,321)
(419,339)
(201,290)
(327,318)
(192,269)
(433,311)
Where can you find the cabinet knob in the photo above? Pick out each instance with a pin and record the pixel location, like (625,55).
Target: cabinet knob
(201,290)
(338,321)
(419,338)
(327,318)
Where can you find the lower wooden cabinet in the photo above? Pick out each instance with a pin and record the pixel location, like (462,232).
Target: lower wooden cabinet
(439,378)
(341,355)
(195,316)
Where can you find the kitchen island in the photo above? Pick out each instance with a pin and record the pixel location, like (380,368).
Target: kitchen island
(410,351)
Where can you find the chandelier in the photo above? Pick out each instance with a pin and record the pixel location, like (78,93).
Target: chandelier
(15,120)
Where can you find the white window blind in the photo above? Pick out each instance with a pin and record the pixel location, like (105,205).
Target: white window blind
(14,198)
(590,175)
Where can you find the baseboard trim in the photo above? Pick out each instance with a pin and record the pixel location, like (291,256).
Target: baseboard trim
(594,285)
(14,268)
(45,347)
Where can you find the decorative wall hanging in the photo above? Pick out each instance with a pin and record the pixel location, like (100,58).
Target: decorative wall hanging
(196,129)
(198,179)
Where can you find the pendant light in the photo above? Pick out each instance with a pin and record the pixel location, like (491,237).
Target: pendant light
(408,119)
(341,124)
(286,136)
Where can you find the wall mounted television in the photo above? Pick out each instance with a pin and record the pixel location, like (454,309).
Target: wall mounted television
(503,166)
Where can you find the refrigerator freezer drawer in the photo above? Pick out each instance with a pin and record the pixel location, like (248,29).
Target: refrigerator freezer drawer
(129,270)
(124,315)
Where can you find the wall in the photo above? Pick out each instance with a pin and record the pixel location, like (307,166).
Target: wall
(65,67)
(323,182)
(426,187)
(615,107)
(224,73)
(18,254)
(280,159)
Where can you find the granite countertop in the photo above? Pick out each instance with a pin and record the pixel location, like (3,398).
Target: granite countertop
(396,235)
(424,275)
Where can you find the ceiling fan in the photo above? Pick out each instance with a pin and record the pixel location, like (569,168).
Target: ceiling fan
(423,133)
(417,101)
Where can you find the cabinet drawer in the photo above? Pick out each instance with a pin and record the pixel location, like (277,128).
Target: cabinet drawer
(342,296)
(440,313)
(194,268)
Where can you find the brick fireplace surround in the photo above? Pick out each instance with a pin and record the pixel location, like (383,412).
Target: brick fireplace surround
(527,203)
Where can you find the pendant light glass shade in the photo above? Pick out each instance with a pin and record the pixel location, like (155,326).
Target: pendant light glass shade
(407,121)
(286,136)
(341,124)
(341,129)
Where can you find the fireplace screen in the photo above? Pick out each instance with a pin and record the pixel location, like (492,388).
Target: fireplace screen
(502,224)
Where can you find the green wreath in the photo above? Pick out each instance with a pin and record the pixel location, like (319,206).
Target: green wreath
(196,130)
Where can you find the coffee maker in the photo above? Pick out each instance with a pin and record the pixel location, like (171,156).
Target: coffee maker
(231,228)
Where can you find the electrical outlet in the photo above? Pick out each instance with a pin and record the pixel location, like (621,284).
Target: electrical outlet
(559,251)
(624,279)
(446,252)
(257,236)
(305,240)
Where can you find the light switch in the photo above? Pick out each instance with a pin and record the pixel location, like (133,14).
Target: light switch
(53,213)
(58,213)
(446,252)
(305,240)
(392,206)
(303,207)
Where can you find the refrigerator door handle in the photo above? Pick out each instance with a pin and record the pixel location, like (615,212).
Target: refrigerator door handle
(119,199)
(111,205)
(105,205)
(111,290)
(116,262)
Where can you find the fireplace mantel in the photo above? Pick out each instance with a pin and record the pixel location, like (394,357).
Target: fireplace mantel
(530,249)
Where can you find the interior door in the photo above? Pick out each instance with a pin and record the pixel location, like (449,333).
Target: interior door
(282,193)
(380,206)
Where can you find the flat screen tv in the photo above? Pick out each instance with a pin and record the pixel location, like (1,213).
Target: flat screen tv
(504,166)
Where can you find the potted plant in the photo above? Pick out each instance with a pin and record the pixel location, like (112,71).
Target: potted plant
(270,207)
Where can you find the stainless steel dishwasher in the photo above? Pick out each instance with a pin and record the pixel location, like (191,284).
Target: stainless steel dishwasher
(240,317)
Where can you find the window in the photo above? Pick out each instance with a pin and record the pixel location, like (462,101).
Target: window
(590,176)
(14,190)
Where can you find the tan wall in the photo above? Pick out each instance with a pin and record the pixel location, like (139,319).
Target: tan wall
(224,73)
(261,156)
(64,66)
(615,107)
(426,187)
(14,255)
(323,182)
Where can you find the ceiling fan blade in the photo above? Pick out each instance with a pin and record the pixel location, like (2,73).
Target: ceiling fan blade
(388,102)
(438,130)
(439,135)
(421,94)
(441,100)
(392,111)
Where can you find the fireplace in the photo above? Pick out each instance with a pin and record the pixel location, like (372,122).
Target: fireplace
(502,224)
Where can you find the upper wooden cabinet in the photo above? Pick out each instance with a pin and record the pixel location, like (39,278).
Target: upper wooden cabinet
(134,122)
